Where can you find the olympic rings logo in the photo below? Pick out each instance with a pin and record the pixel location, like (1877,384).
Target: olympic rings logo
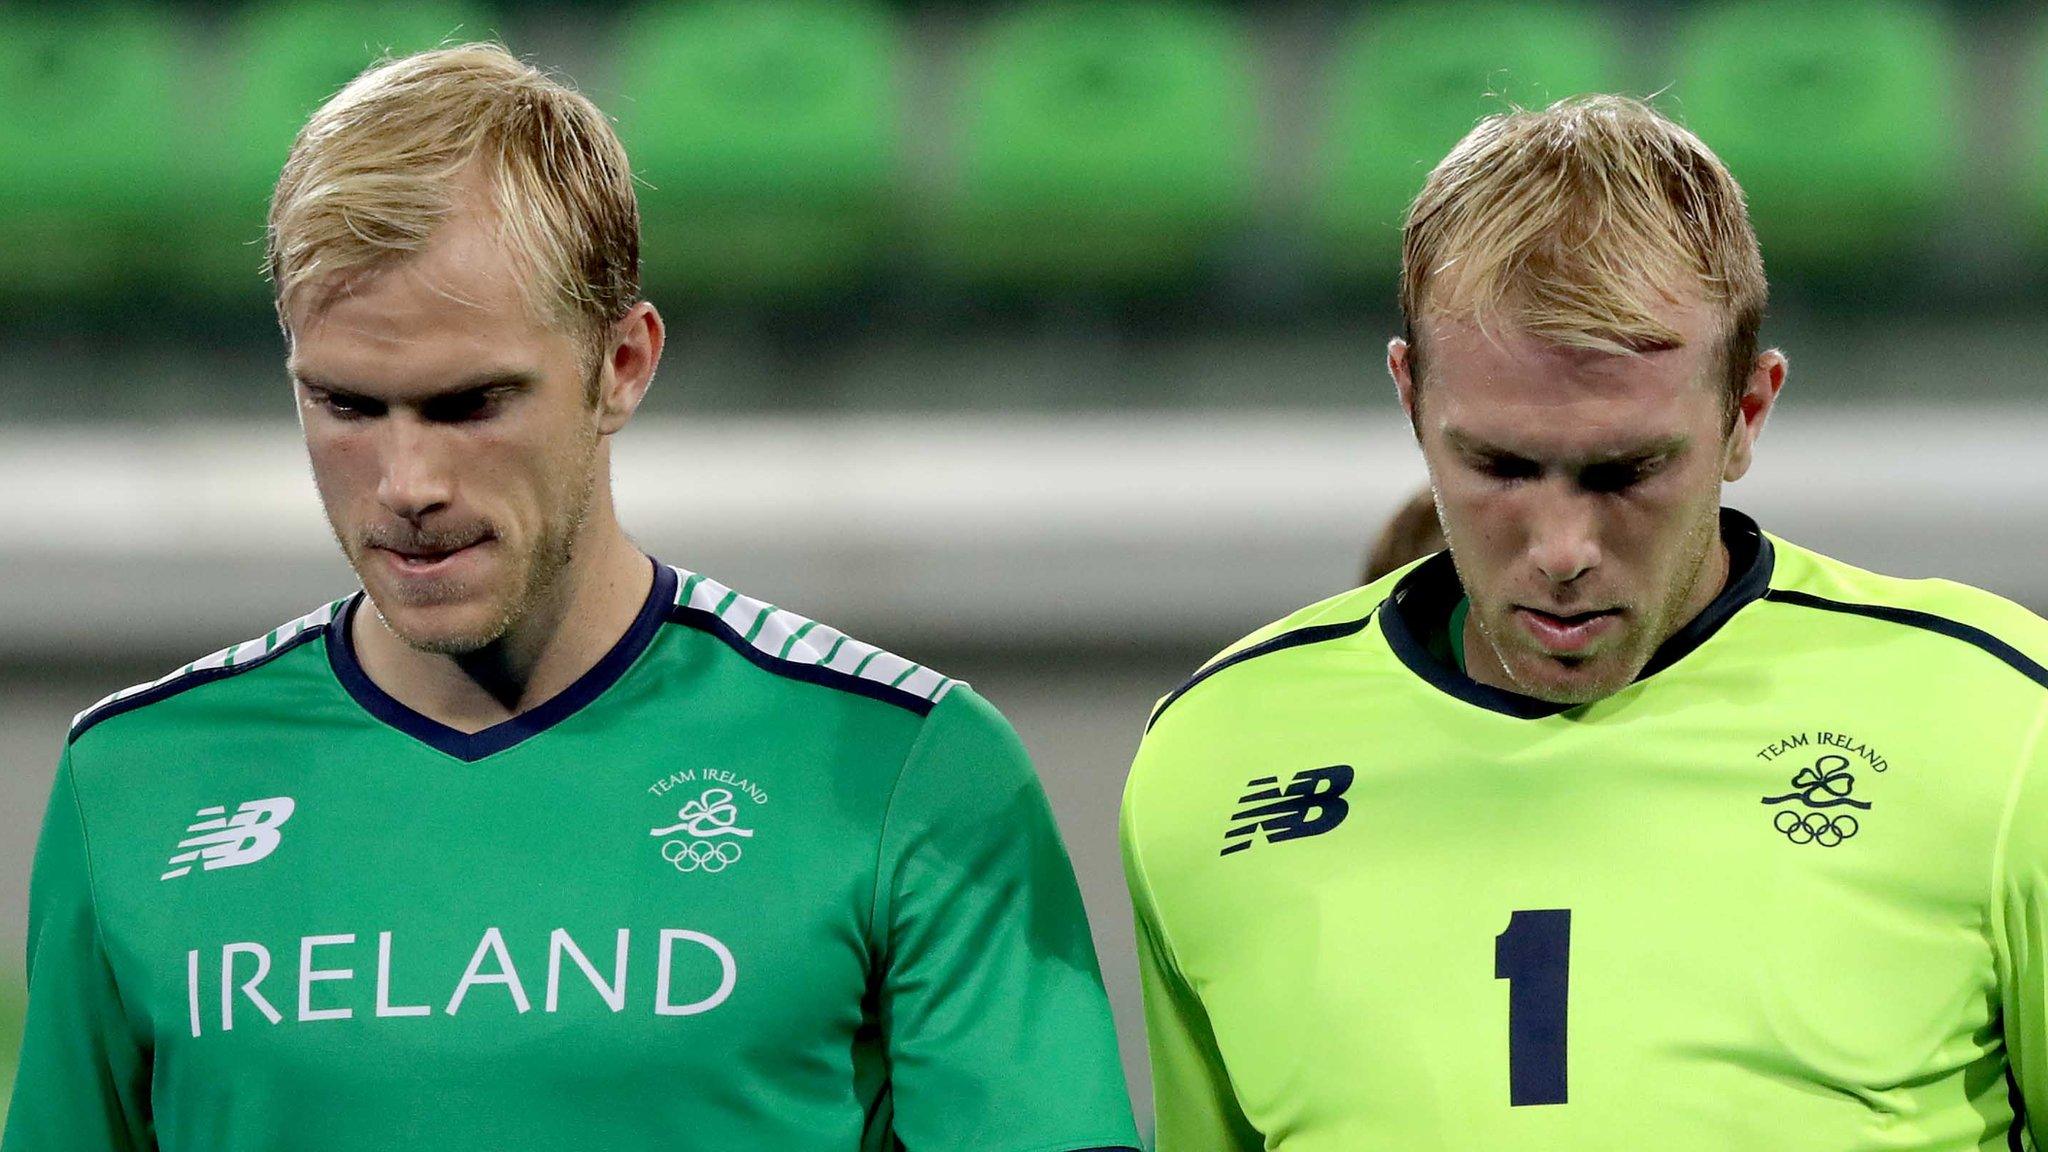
(700,855)
(1815,827)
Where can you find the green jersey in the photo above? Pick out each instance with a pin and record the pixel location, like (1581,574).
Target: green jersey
(1788,890)
(748,883)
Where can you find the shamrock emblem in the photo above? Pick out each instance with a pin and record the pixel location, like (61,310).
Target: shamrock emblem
(1826,784)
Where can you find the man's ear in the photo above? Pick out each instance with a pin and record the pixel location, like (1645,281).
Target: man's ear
(1752,408)
(1401,366)
(627,370)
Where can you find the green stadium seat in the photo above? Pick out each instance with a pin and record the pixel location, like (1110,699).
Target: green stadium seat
(1838,117)
(764,134)
(1408,82)
(1104,144)
(287,58)
(90,168)
(2032,200)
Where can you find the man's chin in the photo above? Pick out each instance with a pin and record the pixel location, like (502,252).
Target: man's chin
(1556,681)
(443,629)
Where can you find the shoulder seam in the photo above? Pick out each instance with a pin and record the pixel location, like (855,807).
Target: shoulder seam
(781,642)
(1969,634)
(230,661)
(92,884)
(2028,749)
(1311,634)
(879,936)
(1142,879)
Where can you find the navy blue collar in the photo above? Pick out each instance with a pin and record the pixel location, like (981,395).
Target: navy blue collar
(1421,604)
(473,746)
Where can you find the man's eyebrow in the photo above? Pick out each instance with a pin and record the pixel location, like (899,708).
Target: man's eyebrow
(1646,450)
(1472,445)
(475,382)
(1466,442)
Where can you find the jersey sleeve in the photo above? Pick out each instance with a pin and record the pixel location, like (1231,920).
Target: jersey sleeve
(83,1080)
(2020,932)
(997,1027)
(1194,1108)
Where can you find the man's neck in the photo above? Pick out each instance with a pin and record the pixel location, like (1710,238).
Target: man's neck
(594,604)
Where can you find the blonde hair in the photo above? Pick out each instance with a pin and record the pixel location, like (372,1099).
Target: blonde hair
(380,166)
(1575,222)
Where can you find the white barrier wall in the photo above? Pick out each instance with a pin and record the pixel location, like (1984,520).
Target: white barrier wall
(1172,529)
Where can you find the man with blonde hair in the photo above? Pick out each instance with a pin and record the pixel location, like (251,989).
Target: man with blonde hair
(1622,824)
(534,842)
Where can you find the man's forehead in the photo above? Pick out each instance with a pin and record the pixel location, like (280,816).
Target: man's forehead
(389,324)
(1577,446)
(399,340)
(1591,351)
(1468,364)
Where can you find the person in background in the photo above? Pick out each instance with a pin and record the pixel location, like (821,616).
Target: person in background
(1411,533)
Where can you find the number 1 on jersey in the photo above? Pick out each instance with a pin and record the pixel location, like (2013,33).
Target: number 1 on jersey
(1534,957)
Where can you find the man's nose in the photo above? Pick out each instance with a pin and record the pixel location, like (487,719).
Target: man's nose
(1565,540)
(413,480)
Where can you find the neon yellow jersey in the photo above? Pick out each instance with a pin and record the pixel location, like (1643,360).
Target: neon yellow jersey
(1787,891)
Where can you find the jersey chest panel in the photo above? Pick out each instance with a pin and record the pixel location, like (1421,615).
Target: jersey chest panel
(628,902)
(1606,918)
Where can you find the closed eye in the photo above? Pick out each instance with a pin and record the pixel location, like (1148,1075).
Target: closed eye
(466,405)
(1617,476)
(347,406)
(1610,478)
(1503,467)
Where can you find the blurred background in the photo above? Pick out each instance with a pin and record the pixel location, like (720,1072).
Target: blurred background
(1039,341)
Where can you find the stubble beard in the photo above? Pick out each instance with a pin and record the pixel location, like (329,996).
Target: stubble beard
(1639,647)
(538,587)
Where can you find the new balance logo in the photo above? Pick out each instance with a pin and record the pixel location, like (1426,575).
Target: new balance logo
(224,841)
(1311,804)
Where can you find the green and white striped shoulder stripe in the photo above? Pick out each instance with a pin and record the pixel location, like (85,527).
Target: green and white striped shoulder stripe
(226,662)
(800,642)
